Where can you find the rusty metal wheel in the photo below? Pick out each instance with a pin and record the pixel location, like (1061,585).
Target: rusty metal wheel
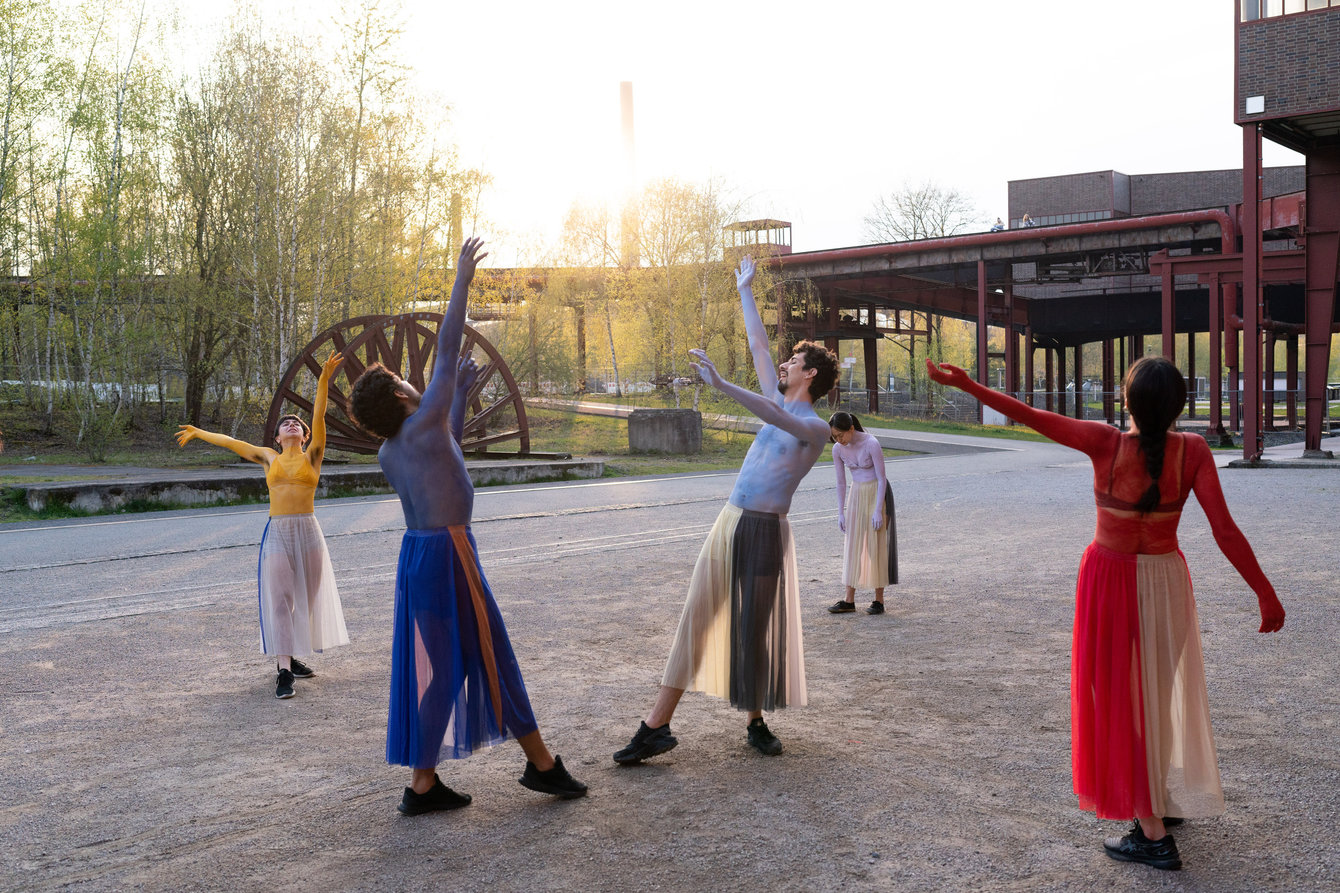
(405,344)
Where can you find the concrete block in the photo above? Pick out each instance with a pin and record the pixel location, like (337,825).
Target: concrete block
(665,431)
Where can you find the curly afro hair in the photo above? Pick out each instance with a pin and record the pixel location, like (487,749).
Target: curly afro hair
(374,404)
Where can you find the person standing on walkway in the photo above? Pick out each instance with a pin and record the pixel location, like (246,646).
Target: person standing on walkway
(1141,743)
(739,634)
(456,685)
(870,548)
(299,603)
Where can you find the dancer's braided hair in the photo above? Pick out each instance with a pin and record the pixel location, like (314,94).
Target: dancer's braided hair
(1155,393)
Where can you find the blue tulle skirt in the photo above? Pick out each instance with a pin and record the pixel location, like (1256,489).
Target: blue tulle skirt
(455,683)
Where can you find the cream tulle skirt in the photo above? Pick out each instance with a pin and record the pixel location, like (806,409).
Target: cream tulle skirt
(299,603)
(869,556)
(739,636)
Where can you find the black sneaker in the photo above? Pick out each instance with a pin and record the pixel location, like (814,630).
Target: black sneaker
(284,684)
(436,798)
(762,739)
(300,669)
(555,781)
(875,608)
(841,607)
(648,742)
(1135,847)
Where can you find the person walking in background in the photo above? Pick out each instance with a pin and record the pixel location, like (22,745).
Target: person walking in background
(870,548)
(1141,741)
(300,609)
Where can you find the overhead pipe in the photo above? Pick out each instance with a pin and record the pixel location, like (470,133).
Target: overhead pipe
(1227,227)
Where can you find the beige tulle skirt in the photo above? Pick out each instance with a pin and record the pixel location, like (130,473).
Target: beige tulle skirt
(299,603)
(739,636)
(869,556)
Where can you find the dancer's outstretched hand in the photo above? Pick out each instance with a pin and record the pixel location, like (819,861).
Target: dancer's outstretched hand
(744,276)
(946,373)
(467,373)
(332,363)
(470,256)
(706,368)
(1272,613)
(187,434)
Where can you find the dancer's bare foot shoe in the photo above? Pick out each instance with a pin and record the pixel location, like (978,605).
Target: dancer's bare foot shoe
(1135,847)
(762,739)
(554,781)
(875,608)
(300,669)
(284,684)
(436,798)
(842,607)
(648,742)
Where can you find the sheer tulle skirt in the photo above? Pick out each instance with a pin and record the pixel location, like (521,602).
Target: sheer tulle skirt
(456,686)
(299,603)
(869,556)
(739,635)
(1141,741)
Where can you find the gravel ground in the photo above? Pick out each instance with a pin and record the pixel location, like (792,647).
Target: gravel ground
(147,752)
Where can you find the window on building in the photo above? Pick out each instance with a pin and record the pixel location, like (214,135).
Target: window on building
(1265,9)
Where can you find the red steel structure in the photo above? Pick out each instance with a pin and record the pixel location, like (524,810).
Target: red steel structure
(1286,57)
(1263,270)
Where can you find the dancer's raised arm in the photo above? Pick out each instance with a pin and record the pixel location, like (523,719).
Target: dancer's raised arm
(467,372)
(316,449)
(759,346)
(438,395)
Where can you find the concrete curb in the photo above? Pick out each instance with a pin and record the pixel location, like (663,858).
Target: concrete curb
(187,488)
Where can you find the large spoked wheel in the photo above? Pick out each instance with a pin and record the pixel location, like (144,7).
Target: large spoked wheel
(407,345)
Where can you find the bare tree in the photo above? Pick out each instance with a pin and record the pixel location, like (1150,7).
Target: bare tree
(921,211)
(924,211)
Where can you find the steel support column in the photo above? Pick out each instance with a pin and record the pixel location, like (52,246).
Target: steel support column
(1291,381)
(1060,381)
(1252,441)
(1029,347)
(1079,381)
(1191,373)
(1109,385)
(1049,396)
(1011,344)
(1323,268)
(1232,357)
(1217,293)
(1268,383)
(1168,316)
(981,333)
(832,343)
(871,346)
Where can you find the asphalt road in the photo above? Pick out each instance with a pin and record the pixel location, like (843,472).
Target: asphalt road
(141,746)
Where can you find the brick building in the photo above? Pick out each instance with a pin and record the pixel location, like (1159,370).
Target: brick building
(1112,195)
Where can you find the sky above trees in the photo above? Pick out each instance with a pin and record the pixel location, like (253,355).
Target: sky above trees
(808,112)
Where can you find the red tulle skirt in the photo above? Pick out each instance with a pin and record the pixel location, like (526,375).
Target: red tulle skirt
(1141,742)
